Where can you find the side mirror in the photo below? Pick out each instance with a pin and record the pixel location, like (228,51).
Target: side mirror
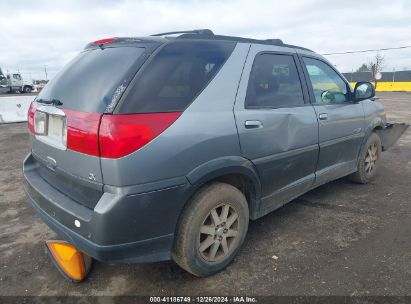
(363,90)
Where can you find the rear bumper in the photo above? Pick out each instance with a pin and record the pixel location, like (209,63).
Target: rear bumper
(133,228)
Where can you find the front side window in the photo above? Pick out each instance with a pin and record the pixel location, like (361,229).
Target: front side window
(327,85)
(274,83)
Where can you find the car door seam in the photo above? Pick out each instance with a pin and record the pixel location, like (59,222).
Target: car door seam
(235,100)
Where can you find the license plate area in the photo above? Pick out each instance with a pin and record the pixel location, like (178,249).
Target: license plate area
(50,127)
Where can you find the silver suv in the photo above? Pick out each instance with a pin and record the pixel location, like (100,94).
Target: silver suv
(150,148)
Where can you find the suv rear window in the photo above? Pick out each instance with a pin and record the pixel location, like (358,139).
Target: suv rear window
(95,79)
(175,76)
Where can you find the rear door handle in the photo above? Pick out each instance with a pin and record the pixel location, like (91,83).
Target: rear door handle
(253,124)
(323,116)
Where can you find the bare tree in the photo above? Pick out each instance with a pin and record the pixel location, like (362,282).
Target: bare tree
(375,66)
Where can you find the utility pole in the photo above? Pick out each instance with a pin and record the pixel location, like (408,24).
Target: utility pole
(373,72)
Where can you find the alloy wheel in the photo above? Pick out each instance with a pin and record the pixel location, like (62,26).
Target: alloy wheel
(371,158)
(218,233)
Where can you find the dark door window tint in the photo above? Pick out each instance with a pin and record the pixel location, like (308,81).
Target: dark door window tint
(274,82)
(327,85)
(175,76)
(94,79)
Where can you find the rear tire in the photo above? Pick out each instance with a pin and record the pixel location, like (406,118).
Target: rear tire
(369,160)
(211,230)
(27,89)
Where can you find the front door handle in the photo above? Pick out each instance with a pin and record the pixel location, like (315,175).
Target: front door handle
(253,124)
(323,116)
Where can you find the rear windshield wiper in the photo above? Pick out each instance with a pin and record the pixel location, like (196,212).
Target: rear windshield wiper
(54,102)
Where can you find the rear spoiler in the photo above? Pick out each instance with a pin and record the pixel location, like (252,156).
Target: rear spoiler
(390,133)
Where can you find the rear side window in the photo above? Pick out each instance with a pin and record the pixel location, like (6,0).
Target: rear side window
(175,76)
(94,79)
(274,83)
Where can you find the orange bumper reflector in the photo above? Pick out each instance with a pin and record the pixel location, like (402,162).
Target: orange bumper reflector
(72,263)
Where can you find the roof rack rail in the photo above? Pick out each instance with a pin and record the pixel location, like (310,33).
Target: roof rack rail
(199,32)
(275,41)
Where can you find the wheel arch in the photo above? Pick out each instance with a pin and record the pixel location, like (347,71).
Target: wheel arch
(236,171)
(377,123)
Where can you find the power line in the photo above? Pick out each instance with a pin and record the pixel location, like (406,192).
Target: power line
(365,51)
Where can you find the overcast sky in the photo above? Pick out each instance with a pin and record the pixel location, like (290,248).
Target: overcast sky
(49,32)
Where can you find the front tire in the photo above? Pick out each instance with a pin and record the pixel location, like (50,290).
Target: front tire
(211,230)
(369,160)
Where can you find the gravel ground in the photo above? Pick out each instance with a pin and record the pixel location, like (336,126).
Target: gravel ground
(339,239)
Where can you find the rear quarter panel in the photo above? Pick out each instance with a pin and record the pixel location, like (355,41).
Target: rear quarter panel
(205,131)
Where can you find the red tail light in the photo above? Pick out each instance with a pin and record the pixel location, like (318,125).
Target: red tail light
(30,116)
(82,131)
(110,136)
(104,41)
(123,134)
